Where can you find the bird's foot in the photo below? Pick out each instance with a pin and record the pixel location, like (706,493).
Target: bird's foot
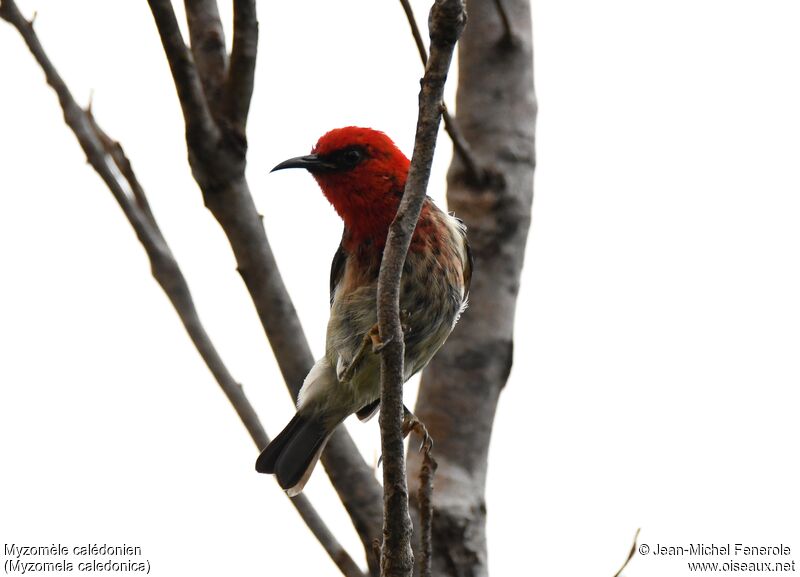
(412,423)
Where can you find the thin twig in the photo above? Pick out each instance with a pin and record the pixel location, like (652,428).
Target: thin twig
(462,148)
(412,22)
(460,144)
(509,39)
(630,555)
(112,165)
(114,148)
(425,504)
(447,20)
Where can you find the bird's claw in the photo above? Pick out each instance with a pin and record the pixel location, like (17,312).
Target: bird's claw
(412,423)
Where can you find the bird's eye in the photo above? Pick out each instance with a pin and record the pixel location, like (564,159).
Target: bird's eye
(352,157)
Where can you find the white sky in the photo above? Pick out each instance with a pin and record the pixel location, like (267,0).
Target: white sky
(656,376)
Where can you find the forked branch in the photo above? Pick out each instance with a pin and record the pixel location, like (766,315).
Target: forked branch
(196,112)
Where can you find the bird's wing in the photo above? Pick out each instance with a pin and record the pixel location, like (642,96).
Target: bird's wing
(337,269)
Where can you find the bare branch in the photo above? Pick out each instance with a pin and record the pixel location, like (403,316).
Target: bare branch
(114,148)
(497,109)
(412,22)
(169,276)
(105,155)
(425,504)
(476,173)
(460,144)
(447,21)
(241,76)
(232,205)
(630,554)
(207,39)
(195,108)
(218,167)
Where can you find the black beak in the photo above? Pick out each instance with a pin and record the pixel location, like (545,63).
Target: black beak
(311,163)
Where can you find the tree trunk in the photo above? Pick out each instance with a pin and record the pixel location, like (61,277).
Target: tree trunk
(496,110)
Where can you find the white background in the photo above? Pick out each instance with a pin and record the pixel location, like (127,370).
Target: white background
(656,376)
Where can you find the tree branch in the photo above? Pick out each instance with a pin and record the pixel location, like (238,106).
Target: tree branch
(218,165)
(207,39)
(460,144)
(241,76)
(112,165)
(232,206)
(418,40)
(114,149)
(196,113)
(447,19)
(497,109)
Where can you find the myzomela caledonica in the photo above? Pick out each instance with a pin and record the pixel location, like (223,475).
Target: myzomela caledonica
(362,173)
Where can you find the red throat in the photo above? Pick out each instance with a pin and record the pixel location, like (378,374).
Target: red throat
(367,196)
(366,205)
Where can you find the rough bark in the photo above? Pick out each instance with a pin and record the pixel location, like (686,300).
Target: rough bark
(496,109)
(446,22)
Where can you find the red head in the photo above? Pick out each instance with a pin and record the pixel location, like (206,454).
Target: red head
(362,173)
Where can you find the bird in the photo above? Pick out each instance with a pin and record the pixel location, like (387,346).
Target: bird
(362,173)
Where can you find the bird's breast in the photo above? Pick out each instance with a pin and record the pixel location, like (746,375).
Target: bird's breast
(432,292)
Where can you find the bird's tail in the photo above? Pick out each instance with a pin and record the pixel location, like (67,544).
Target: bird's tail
(291,456)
